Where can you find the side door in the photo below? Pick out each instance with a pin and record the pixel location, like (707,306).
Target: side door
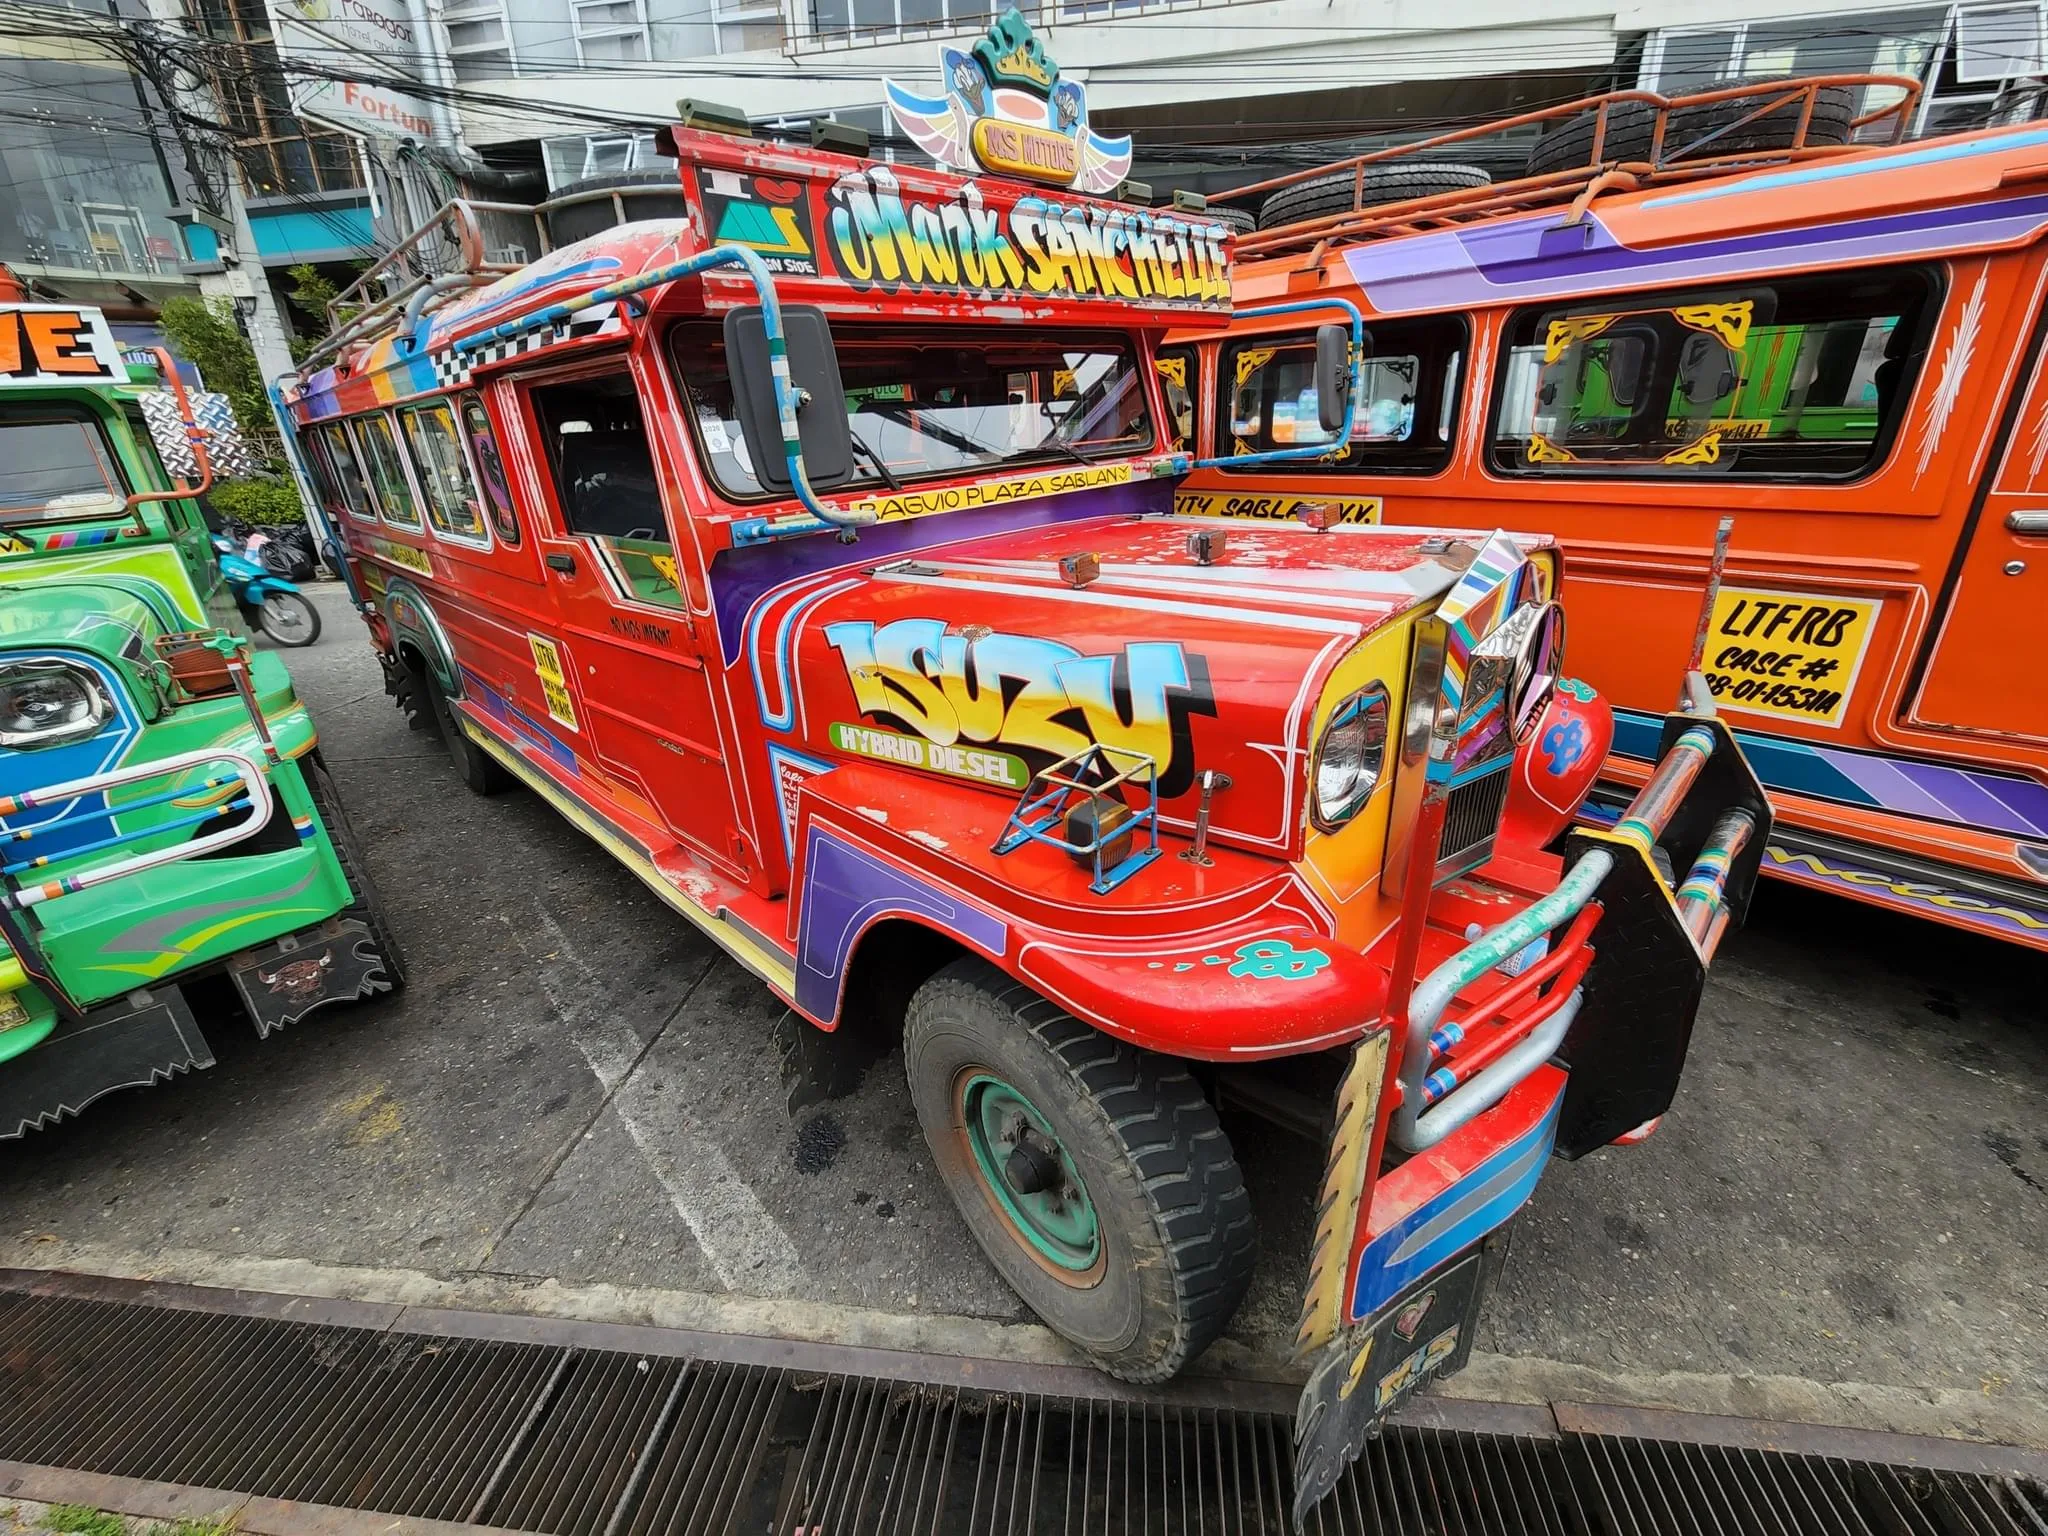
(1982,673)
(626,674)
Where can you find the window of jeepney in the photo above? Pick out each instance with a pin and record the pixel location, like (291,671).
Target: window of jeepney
(1405,417)
(444,479)
(387,470)
(490,470)
(57,465)
(1179,383)
(344,469)
(1803,377)
(933,403)
(605,482)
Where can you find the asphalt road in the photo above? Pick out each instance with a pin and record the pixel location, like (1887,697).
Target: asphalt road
(577,1105)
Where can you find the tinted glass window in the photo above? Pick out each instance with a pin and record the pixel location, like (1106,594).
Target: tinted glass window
(452,505)
(605,481)
(346,471)
(1803,377)
(1404,418)
(55,469)
(926,405)
(387,470)
(490,469)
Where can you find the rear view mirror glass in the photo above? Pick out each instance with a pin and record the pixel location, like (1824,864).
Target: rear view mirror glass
(821,411)
(1333,376)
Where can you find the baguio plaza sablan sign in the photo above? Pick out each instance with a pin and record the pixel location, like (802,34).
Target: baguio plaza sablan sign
(861,768)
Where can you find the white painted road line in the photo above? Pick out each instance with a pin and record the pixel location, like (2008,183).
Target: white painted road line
(743,1244)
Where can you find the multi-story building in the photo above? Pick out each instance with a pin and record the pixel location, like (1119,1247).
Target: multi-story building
(1214,91)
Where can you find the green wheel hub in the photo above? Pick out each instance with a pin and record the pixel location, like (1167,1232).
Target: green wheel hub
(1030,1174)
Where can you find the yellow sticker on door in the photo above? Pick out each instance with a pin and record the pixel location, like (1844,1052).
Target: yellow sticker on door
(554,682)
(1791,655)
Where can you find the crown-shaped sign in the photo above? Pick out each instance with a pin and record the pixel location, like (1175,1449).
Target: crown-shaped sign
(1013,55)
(1008,110)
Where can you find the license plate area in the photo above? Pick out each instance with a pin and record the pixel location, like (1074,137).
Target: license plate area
(1424,1333)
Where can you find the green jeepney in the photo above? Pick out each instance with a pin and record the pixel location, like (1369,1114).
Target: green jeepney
(164,813)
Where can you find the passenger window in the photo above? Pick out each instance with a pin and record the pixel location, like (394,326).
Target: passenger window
(490,470)
(346,471)
(605,481)
(443,473)
(1404,418)
(1803,377)
(1178,371)
(387,471)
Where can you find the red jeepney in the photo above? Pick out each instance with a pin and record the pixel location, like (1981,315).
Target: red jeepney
(815,553)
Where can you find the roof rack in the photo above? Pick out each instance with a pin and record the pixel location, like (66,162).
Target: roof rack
(1668,160)
(447,255)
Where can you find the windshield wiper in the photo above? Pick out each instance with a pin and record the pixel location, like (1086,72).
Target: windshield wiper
(881,468)
(1059,444)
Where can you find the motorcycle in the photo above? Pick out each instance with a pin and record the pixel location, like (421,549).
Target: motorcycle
(268,601)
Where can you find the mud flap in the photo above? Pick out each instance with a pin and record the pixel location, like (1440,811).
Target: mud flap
(1627,1047)
(282,982)
(1422,1335)
(145,1038)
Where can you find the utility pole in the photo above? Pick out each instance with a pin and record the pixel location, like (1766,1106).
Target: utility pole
(244,283)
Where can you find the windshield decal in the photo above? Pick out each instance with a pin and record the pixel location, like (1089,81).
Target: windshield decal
(894,506)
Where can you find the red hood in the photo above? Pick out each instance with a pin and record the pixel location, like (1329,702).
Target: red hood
(979,661)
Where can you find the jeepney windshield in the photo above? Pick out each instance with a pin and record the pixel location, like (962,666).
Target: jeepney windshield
(56,467)
(923,405)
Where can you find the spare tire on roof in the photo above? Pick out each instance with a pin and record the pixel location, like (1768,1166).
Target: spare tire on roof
(1697,133)
(644,194)
(1238,220)
(1387,182)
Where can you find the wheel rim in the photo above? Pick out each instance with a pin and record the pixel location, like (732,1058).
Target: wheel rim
(1029,1176)
(281,613)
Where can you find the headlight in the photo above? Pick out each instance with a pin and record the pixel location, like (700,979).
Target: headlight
(49,703)
(1350,757)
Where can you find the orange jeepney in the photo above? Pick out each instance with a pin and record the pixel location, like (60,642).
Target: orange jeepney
(1732,303)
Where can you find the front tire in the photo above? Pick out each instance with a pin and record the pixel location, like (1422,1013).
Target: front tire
(1094,1175)
(289,619)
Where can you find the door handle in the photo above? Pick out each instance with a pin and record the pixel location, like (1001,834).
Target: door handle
(2027,522)
(566,564)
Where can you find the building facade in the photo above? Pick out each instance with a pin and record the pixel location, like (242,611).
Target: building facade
(1215,92)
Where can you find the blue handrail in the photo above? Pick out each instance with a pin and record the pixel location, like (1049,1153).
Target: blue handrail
(771,323)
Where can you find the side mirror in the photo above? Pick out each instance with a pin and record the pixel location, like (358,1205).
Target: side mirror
(1333,375)
(822,427)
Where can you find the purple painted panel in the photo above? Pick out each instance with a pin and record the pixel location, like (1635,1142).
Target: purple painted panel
(845,889)
(740,577)
(1524,258)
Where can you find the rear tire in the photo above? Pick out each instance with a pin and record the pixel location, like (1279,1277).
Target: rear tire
(484,774)
(1094,1175)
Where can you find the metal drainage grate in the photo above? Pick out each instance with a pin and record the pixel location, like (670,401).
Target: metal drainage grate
(547,1433)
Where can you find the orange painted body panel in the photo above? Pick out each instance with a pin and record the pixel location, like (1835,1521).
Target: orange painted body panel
(1938,752)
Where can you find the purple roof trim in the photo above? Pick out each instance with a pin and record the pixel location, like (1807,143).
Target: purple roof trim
(1541,258)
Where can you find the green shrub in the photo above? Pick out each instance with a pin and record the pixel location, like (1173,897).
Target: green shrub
(271,503)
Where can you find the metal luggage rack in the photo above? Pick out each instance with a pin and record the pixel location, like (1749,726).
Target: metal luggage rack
(446,256)
(1671,158)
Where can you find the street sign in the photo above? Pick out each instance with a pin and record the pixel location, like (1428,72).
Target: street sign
(375,37)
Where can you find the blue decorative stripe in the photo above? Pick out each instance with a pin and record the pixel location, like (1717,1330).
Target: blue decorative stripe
(1456,1218)
(1929,791)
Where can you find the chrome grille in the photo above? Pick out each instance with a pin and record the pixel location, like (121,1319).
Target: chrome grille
(1471,817)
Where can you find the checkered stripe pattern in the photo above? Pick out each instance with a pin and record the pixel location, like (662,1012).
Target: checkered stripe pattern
(451,370)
